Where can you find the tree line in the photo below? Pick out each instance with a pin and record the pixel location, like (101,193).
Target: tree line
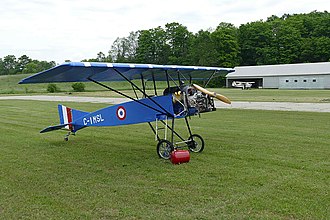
(291,38)
(296,38)
(10,65)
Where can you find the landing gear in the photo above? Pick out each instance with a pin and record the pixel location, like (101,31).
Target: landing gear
(195,143)
(164,149)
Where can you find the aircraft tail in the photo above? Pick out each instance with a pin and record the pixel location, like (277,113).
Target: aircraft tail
(67,118)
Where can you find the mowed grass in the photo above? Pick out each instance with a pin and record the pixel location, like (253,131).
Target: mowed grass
(256,165)
(277,95)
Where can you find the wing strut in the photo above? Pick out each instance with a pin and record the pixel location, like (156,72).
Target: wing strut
(143,86)
(126,96)
(209,79)
(179,73)
(153,80)
(168,82)
(144,93)
(135,92)
(169,76)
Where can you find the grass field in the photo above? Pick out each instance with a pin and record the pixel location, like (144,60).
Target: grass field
(256,165)
(9,85)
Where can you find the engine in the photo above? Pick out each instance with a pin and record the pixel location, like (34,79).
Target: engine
(189,101)
(198,100)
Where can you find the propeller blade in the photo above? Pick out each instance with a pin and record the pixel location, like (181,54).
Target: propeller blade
(222,98)
(213,94)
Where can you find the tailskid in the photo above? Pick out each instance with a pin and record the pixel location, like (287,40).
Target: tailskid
(66,137)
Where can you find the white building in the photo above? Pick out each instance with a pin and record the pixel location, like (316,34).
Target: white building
(286,76)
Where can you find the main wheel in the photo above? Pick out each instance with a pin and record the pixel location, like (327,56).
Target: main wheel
(196,143)
(164,149)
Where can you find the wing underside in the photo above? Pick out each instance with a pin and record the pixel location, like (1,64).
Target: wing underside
(83,72)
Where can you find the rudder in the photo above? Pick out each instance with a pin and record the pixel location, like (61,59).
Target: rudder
(69,115)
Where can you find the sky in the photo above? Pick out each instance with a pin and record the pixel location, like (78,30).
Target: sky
(59,30)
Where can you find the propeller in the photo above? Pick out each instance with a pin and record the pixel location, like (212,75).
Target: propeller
(213,94)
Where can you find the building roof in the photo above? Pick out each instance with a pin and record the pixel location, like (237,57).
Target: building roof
(281,70)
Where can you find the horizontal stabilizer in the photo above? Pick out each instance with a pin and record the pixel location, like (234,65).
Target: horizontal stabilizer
(53,128)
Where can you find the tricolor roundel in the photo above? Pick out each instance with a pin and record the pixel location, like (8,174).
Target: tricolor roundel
(121,113)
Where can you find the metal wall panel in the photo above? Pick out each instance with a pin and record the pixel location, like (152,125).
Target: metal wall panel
(327,81)
(271,82)
(302,82)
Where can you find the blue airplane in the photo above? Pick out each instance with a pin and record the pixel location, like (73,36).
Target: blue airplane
(178,100)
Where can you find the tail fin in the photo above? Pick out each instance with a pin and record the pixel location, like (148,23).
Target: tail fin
(67,118)
(69,115)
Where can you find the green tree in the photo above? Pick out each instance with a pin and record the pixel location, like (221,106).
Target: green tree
(254,40)
(36,66)
(100,58)
(288,39)
(285,44)
(225,41)
(22,62)
(31,67)
(202,51)
(78,87)
(178,39)
(9,65)
(315,36)
(2,67)
(124,49)
(52,87)
(152,47)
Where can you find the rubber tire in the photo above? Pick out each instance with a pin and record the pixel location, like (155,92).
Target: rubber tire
(164,149)
(197,145)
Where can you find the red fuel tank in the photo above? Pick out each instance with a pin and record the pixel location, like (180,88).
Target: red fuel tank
(180,156)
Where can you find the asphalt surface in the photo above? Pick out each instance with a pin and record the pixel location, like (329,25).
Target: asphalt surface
(280,106)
